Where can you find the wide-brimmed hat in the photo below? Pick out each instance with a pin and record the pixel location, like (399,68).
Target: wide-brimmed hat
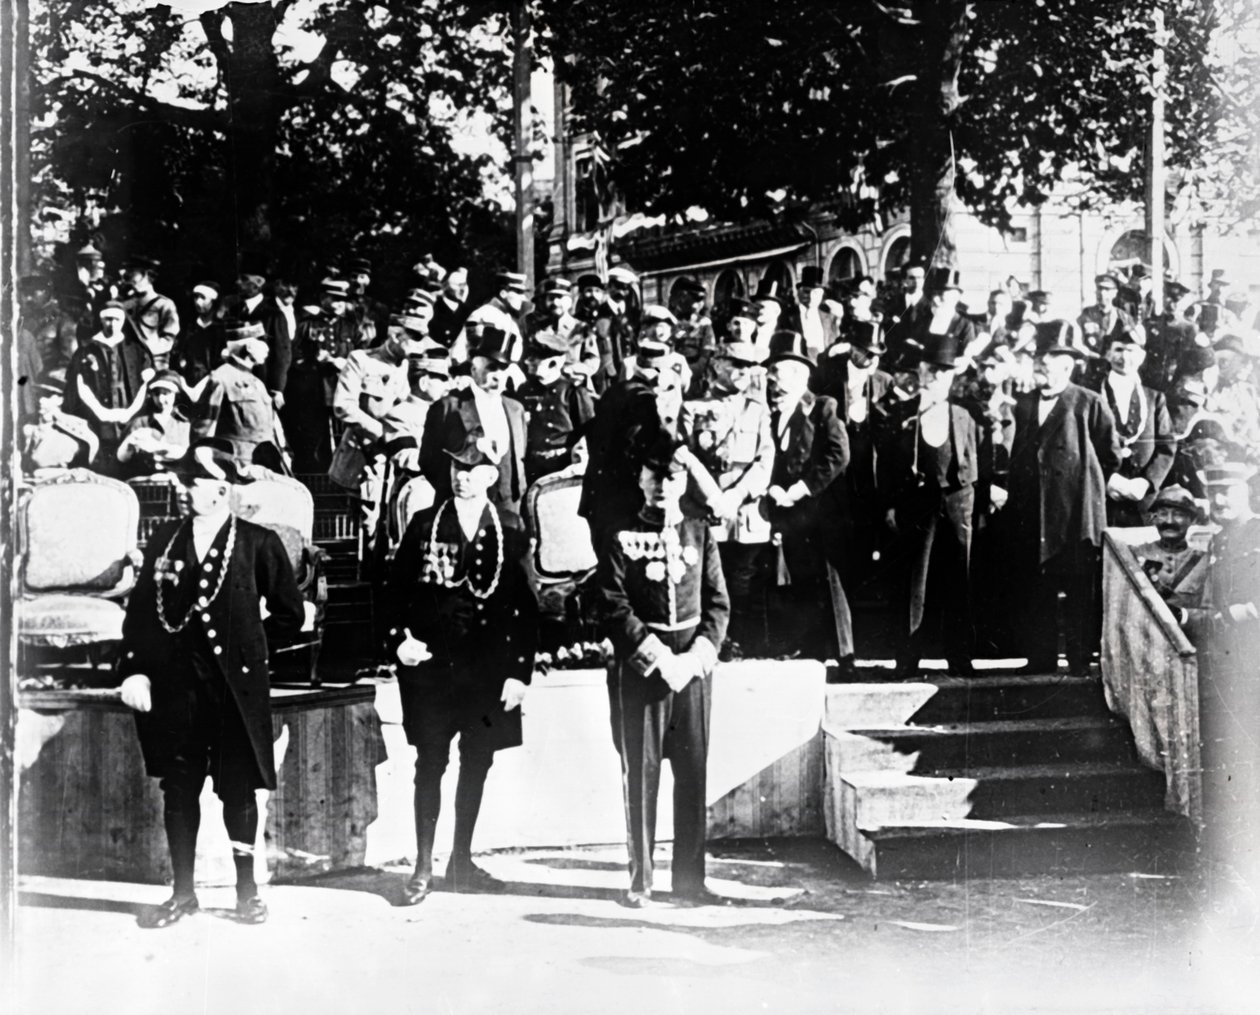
(1176,497)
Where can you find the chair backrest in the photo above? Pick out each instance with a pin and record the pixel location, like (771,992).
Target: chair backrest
(281,504)
(76,530)
(413,496)
(562,539)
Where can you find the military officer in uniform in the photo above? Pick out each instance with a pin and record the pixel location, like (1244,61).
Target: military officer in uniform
(193,665)
(236,405)
(1176,569)
(1104,319)
(664,606)
(324,339)
(557,408)
(729,432)
(151,317)
(465,629)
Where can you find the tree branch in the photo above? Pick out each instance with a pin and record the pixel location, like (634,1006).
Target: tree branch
(182,116)
(212,25)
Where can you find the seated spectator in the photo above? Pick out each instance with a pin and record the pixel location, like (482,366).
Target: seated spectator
(56,440)
(158,436)
(1177,570)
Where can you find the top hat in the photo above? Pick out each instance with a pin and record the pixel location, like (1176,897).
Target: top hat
(941,278)
(1057,338)
(865,335)
(811,277)
(1176,497)
(512,281)
(789,345)
(496,344)
(656,449)
(211,458)
(769,289)
(941,352)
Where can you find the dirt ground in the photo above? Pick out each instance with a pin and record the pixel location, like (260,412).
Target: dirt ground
(809,933)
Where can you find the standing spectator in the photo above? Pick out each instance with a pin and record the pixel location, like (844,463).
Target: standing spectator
(665,609)
(483,407)
(581,360)
(929,465)
(616,321)
(1235,398)
(193,664)
(768,299)
(1064,451)
(942,326)
(236,406)
(250,305)
(325,338)
(1104,319)
(199,349)
(557,409)
(696,339)
(465,629)
(450,308)
(90,290)
(151,317)
(371,315)
(505,310)
(808,316)
(729,432)
(105,383)
(811,453)
(1147,440)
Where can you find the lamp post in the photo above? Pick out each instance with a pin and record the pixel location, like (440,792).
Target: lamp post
(522,160)
(1156,175)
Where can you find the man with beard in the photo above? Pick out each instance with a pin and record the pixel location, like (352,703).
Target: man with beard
(193,664)
(464,632)
(483,407)
(811,453)
(1063,453)
(151,317)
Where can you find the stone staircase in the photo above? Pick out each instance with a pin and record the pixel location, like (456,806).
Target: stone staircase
(996,775)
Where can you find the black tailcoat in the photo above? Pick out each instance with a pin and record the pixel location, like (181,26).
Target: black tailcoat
(224,641)
(449,422)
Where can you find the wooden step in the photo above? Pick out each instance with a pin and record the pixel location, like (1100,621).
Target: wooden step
(875,705)
(923,750)
(1144,841)
(896,798)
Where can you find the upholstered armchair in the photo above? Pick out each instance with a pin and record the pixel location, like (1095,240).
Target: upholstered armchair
(562,556)
(78,559)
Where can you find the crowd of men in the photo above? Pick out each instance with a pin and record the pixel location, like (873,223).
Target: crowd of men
(747,475)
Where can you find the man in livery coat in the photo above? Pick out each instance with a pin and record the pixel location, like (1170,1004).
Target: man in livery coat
(664,607)
(465,628)
(193,665)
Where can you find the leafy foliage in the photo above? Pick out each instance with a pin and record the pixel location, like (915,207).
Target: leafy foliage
(747,109)
(312,129)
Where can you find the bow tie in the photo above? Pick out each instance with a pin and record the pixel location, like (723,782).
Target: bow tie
(1049,398)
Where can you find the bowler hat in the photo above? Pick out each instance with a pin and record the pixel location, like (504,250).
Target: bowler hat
(865,335)
(769,289)
(789,345)
(589,280)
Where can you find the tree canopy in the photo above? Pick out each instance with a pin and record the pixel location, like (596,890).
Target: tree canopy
(749,109)
(311,130)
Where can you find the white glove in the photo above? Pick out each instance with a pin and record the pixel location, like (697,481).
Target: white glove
(513,693)
(412,652)
(137,693)
(997,497)
(677,671)
(308,615)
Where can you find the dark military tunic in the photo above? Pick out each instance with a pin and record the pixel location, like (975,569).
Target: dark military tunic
(556,417)
(661,587)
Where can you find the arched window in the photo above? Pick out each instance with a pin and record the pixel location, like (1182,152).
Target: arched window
(897,256)
(729,285)
(677,287)
(845,263)
(780,272)
(1134,247)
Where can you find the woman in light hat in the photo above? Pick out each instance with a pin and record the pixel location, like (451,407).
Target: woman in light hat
(160,434)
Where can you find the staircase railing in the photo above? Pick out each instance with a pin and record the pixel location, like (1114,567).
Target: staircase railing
(1151,673)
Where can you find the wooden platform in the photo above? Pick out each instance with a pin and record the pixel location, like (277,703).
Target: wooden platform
(345,793)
